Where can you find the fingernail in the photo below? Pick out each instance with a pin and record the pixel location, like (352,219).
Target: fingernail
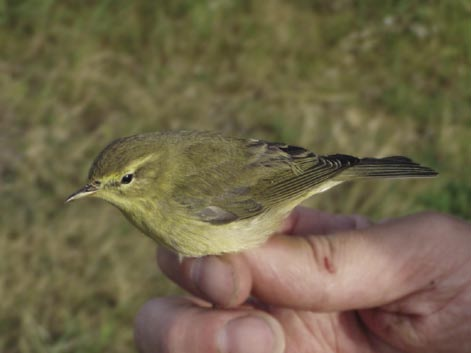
(215,279)
(251,334)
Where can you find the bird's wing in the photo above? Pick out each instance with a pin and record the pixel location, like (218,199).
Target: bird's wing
(255,176)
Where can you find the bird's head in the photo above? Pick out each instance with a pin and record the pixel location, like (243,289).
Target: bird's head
(124,171)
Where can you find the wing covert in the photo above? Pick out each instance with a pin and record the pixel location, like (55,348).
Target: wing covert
(257,176)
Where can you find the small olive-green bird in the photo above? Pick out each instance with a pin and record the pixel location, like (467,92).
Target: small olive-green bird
(200,193)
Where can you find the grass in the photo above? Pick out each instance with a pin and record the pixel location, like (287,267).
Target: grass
(335,76)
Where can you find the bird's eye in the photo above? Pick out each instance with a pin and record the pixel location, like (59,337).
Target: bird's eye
(126,179)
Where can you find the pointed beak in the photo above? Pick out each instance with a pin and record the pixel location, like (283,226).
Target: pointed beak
(87,190)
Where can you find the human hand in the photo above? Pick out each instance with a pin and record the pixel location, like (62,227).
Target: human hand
(400,286)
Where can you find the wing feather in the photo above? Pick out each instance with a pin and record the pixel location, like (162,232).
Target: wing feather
(259,175)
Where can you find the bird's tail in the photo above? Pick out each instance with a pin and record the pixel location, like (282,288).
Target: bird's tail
(388,167)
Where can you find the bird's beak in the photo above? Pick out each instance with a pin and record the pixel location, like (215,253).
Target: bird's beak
(87,190)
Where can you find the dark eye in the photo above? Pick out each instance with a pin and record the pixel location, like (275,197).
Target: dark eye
(126,179)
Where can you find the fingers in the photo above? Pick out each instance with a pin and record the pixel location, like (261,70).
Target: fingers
(358,268)
(355,269)
(305,221)
(186,325)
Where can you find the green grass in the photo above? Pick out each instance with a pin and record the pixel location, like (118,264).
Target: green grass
(335,76)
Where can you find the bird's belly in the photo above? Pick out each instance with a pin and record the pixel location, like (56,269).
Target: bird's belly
(192,237)
(196,238)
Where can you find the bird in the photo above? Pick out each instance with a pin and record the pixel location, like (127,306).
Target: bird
(202,193)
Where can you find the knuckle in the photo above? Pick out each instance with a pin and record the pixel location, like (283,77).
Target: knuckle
(324,254)
(322,248)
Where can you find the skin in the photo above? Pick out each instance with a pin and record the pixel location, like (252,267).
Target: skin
(400,286)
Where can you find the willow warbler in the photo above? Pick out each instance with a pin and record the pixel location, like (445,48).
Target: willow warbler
(200,193)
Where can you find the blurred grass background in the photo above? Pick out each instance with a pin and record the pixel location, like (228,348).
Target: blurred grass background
(368,78)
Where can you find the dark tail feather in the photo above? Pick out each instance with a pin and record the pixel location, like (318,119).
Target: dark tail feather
(388,167)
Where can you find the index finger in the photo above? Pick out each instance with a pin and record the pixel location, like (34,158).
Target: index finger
(306,221)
